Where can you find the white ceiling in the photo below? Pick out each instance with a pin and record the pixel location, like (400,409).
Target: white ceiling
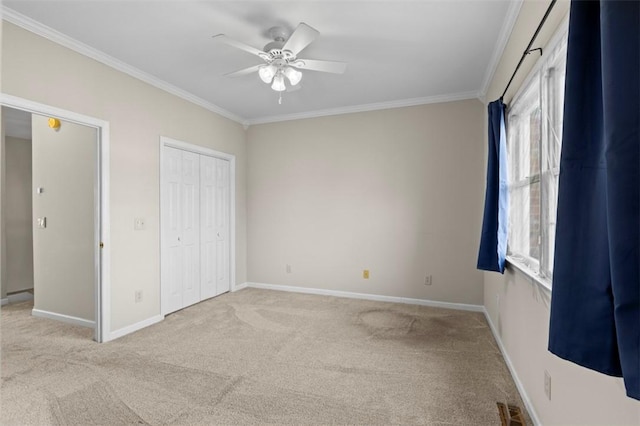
(398,52)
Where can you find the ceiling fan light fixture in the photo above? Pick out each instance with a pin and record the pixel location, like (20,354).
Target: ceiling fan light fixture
(267,72)
(293,75)
(278,83)
(280,57)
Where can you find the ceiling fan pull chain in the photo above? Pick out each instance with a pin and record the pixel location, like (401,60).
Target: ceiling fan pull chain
(280,98)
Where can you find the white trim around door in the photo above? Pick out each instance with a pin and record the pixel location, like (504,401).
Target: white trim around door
(173,143)
(102,329)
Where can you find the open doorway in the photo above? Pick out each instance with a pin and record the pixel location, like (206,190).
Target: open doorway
(17,279)
(54,243)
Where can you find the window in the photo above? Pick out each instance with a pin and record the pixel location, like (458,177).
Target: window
(534,131)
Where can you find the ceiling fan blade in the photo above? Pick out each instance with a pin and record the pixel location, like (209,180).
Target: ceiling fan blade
(301,38)
(244,71)
(316,65)
(238,44)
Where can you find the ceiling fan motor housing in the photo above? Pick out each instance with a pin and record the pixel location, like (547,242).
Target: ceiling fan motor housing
(279,54)
(274,48)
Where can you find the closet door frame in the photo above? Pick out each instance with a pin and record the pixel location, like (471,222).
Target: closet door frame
(197,149)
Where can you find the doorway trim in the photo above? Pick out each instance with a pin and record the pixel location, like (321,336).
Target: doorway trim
(174,143)
(102,328)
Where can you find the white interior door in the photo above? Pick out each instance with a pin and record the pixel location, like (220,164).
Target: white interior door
(214,220)
(190,236)
(223,283)
(208,278)
(180,229)
(171,223)
(196,243)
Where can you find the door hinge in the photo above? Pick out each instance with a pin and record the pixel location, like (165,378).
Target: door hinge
(101,244)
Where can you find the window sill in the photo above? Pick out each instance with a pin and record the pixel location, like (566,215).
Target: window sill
(542,282)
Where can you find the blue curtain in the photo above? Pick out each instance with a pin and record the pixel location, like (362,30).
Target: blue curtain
(595,304)
(493,241)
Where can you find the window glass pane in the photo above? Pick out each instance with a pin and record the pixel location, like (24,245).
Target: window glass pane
(534,221)
(555,147)
(524,174)
(549,221)
(534,129)
(551,143)
(534,142)
(519,221)
(524,133)
(557,101)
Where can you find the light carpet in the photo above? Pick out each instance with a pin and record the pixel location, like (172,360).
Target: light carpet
(259,357)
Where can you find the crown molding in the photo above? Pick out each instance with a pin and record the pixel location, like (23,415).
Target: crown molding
(366,107)
(55,36)
(501,44)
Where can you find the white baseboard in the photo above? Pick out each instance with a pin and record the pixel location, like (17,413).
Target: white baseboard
(365,296)
(523,393)
(23,296)
(239,287)
(61,317)
(134,327)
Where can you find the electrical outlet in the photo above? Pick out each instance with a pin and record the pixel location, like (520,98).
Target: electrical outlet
(547,384)
(288,268)
(428,280)
(365,274)
(139,224)
(138,296)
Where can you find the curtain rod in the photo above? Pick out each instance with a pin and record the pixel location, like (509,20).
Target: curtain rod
(529,49)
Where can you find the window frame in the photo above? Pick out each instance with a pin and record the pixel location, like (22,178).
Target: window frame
(540,270)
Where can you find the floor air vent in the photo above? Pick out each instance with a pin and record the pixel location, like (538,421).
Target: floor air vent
(510,415)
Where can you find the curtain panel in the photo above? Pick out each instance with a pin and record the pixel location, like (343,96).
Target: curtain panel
(493,241)
(595,304)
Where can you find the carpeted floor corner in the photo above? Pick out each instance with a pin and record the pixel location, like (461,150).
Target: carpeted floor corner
(259,357)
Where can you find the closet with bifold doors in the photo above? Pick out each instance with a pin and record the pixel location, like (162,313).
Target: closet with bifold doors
(195,229)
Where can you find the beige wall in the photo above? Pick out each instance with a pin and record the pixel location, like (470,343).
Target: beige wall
(398,192)
(42,71)
(519,309)
(19,238)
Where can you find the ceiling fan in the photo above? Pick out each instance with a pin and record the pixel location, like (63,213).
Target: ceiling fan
(281,57)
